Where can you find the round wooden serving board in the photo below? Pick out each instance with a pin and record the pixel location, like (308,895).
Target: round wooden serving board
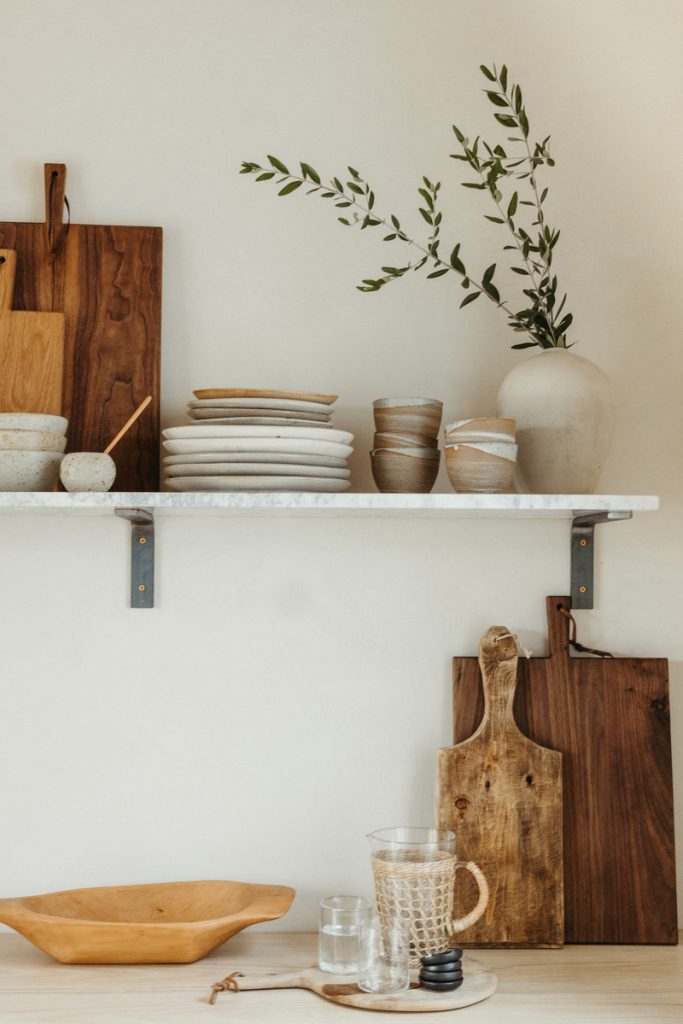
(478,984)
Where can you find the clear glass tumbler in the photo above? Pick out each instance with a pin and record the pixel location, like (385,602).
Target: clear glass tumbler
(341,921)
(384,957)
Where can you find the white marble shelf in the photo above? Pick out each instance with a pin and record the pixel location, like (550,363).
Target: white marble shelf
(300,503)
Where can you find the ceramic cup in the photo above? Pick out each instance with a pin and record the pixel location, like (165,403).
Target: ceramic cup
(394,440)
(87,471)
(412,415)
(405,470)
(487,429)
(481,468)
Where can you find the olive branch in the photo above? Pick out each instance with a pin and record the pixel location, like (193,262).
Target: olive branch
(541,317)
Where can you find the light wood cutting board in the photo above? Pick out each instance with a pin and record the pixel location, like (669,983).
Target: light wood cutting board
(106,280)
(610,718)
(31,351)
(501,794)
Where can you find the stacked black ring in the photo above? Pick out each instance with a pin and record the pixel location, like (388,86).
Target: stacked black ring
(442,972)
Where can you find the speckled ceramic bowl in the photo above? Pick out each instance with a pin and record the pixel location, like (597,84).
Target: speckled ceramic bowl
(408,415)
(405,470)
(87,471)
(31,441)
(481,468)
(29,471)
(33,421)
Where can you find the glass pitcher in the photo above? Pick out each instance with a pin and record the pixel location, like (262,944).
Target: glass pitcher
(414,875)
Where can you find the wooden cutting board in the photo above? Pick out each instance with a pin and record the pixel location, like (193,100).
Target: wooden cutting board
(501,794)
(610,718)
(478,984)
(31,351)
(107,282)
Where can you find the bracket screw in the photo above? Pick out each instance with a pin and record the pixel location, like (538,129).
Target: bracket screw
(141,587)
(582,590)
(581,542)
(143,540)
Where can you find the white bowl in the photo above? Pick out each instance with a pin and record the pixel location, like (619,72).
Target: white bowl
(33,421)
(29,471)
(31,441)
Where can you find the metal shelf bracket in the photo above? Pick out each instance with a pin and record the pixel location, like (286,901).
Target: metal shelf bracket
(583,553)
(141,555)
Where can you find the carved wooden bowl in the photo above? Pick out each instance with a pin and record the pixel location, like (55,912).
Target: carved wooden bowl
(169,922)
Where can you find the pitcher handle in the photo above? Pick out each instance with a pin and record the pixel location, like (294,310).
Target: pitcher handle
(482,885)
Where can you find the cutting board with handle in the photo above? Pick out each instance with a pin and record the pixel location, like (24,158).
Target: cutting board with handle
(107,282)
(501,794)
(31,351)
(478,984)
(610,718)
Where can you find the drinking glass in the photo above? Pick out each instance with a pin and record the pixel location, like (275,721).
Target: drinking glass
(384,957)
(341,920)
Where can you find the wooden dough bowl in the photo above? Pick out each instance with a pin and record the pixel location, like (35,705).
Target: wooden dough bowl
(169,922)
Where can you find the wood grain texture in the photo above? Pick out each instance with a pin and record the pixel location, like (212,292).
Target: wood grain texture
(478,984)
(107,281)
(166,922)
(31,351)
(610,718)
(501,794)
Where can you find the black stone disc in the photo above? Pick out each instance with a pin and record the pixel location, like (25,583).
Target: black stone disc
(436,969)
(446,957)
(440,979)
(437,987)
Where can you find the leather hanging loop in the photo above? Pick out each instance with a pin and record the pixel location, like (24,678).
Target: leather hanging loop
(572,636)
(55,204)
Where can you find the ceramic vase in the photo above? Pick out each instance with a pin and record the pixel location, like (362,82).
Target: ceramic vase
(564,410)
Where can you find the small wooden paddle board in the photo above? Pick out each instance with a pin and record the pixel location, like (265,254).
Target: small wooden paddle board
(478,984)
(501,794)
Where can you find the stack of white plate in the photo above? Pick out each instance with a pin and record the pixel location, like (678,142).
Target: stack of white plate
(256,440)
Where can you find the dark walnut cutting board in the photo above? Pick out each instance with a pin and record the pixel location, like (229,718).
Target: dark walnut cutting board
(501,794)
(610,719)
(107,282)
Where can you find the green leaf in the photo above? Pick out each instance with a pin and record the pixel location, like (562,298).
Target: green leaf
(506,119)
(456,262)
(544,193)
(278,165)
(465,283)
(519,270)
(309,172)
(469,298)
(354,173)
(342,206)
(504,77)
(491,290)
(458,134)
(292,187)
(497,99)
(564,323)
(473,184)
(438,273)
(494,220)
(523,123)
(427,197)
(489,74)
(488,274)
(343,220)
(512,206)
(389,238)
(427,217)
(337,184)
(517,98)
(394,221)
(355,188)
(371,200)
(526,344)
(266,176)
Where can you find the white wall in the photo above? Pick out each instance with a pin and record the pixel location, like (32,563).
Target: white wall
(288,693)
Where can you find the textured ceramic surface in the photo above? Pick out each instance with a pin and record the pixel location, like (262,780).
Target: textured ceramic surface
(255,469)
(29,471)
(252,393)
(284,404)
(481,428)
(201,430)
(266,417)
(408,415)
(167,922)
(288,445)
(564,410)
(396,472)
(31,441)
(472,470)
(255,457)
(255,483)
(33,421)
(87,471)
(405,440)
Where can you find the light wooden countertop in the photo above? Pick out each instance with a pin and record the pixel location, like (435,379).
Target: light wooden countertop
(590,984)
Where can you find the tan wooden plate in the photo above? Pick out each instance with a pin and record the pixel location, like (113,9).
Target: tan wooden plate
(301,396)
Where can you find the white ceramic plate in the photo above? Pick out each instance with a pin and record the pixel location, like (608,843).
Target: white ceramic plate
(288,445)
(253,469)
(281,458)
(259,421)
(255,483)
(259,403)
(198,430)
